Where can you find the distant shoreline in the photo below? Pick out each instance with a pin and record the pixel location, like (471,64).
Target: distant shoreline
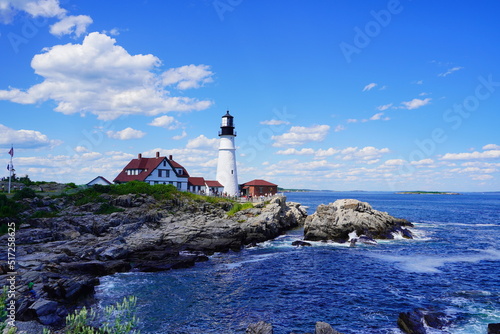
(427,193)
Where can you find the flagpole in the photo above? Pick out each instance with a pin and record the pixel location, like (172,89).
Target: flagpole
(11,152)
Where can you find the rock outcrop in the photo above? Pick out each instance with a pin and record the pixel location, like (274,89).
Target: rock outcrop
(337,220)
(418,320)
(64,255)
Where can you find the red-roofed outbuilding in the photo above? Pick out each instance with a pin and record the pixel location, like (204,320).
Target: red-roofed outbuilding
(259,188)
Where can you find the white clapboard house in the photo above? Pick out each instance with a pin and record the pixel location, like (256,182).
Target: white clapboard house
(157,170)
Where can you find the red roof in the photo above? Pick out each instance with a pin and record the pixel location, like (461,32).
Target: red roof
(196,181)
(147,165)
(213,184)
(259,183)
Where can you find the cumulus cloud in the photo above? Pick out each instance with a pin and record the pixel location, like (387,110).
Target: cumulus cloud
(489,154)
(165,121)
(67,24)
(491,147)
(28,139)
(188,76)
(71,25)
(201,142)
(339,128)
(299,135)
(370,86)
(450,71)
(415,103)
(36,8)
(126,134)
(101,78)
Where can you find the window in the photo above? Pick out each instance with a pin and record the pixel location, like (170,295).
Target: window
(232,171)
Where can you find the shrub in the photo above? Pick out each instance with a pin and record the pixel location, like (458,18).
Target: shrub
(238,207)
(118,319)
(24,193)
(8,207)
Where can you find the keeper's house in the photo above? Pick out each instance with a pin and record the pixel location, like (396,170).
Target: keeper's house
(158,170)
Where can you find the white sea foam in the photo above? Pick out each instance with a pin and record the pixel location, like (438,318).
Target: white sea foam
(253,259)
(430,264)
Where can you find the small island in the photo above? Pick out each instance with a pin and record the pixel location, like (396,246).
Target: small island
(427,193)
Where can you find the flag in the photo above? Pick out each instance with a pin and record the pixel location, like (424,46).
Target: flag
(8,167)
(11,152)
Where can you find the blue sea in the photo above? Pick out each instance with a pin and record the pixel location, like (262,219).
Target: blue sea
(452,266)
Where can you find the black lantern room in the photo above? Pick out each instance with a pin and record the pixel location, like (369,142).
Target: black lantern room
(227,125)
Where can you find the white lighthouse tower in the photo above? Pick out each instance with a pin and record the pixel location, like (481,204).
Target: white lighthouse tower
(226,165)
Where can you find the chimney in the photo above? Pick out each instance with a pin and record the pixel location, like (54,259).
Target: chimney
(139,156)
(170,157)
(157,155)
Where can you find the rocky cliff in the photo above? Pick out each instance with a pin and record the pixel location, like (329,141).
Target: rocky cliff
(337,220)
(65,254)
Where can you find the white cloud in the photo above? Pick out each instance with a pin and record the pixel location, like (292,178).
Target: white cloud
(188,76)
(490,154)
(203,142)
(339,128)
(71,24)
(29,139)
(419,82)
(482,177)
(352,120)
(274,122)
(491,147)
(422,162)
(101,78)
(81,149)
(450,71)
(364,154)
(369,86)
(415,103)
(36,8)
(299,135)
(181,136)
(126,134)
(384,107)
(67,25)
(165,121)
(294,151)
(328,152)
(395,162)
(378,117)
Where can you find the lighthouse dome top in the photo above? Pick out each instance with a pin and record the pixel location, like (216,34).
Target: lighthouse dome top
(227,125)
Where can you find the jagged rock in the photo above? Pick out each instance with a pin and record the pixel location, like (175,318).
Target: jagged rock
(416,321)
(301,243)
(324,328)
(494,328)
(64,255)
(260,327)
(337,220)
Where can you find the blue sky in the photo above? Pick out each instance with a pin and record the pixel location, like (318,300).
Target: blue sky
(339,95)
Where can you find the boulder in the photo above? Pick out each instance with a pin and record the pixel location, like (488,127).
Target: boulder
(416,321)
(494,328)
(324,328)
(260,327)
(337,220)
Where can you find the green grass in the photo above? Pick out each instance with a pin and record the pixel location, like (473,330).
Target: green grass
(239,207)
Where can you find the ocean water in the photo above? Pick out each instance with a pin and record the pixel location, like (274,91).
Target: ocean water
(452,266)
